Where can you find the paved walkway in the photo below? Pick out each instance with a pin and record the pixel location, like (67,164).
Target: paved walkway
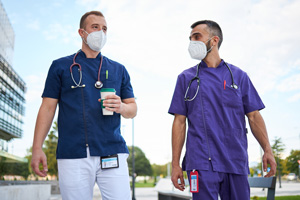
(288,188)
(140,194)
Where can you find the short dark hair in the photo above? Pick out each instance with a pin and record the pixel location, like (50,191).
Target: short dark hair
(213,28)
(82,20)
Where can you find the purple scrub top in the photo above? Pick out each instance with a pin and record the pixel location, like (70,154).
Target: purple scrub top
(216,117)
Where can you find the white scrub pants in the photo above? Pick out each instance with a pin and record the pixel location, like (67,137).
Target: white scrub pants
(77,178)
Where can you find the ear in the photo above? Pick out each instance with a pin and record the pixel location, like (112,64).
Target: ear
(81,32)
(216,40)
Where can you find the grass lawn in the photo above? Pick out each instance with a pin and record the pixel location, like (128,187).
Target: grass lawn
(139,185)
(279,198)
(149,183)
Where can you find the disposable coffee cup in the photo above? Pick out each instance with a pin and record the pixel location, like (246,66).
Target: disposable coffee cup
(104,92)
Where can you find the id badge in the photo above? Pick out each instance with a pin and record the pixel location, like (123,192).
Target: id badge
(194,184)
(108,162)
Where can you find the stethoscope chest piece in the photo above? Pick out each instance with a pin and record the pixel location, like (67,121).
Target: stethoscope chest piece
(234,86)
(98,84)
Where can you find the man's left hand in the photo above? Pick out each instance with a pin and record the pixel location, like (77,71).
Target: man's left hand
(268,158)
(113,103)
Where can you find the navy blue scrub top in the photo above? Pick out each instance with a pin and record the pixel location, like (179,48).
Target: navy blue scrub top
(216,117)
(80,119)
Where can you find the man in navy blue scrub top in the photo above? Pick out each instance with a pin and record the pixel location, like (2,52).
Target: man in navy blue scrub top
(90,146)
(214,97)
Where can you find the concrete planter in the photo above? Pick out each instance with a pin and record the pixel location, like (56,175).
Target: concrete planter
(32,192)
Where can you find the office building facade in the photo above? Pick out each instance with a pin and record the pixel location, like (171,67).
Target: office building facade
(12,87)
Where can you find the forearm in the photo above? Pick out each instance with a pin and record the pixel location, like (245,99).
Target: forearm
(129,110)
(178,138)
(43,124)
(259,130)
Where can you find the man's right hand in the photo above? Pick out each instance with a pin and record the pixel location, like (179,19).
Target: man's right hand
(177,174)
(38,156)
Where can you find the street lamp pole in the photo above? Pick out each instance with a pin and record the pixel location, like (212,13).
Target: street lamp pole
(299,169)
(133,167)
(278,167)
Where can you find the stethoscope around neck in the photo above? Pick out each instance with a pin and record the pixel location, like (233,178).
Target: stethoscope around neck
(197,78)
(98,83)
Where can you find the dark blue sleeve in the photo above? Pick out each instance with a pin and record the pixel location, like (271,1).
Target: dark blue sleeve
(178,105)
(53,82)
(126,88)
(251,99)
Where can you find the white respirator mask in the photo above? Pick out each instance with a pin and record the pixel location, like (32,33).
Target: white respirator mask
(198,49)
(95,40)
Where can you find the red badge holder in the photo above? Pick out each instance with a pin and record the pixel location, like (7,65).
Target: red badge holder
(194,184)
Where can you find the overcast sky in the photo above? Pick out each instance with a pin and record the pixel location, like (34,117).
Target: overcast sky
(150,38)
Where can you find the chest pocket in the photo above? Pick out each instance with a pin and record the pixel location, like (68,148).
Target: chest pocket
(111,80)
(232,98)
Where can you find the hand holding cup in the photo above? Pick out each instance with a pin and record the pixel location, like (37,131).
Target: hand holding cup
(110,102)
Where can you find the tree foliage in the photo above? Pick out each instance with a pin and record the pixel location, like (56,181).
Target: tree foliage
(292,161)
(50,146)
(278,148)
(13,168)
(49,149)
(142,164)
(3,167)
(18,169)
(160,170)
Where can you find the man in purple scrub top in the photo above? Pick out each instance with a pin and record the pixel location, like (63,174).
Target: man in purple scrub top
(214,97)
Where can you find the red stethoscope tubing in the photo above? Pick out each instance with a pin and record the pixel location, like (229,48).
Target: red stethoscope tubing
(98,83)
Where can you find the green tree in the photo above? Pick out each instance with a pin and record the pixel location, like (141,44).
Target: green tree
(50,146)
(29,158)
(278,148)
(160,170)
(49,149)
(3,167)
(19,169)
(142,164)
(284,166)
(292,161)
(24,170)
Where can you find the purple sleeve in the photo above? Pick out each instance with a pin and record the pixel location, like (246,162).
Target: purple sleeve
(251,99)
(178,105)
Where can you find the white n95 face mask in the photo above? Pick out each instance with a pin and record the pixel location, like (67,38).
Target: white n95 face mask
(96,40)
(198,49)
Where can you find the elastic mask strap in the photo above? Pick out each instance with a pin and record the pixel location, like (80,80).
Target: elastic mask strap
(211,46)
(83,38)
(210,49)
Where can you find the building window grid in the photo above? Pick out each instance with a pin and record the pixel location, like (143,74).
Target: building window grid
(18,109)
(10,128)
(10,124)
(8,90)
(7,36)
(12,87)
(7,83)
(4,66)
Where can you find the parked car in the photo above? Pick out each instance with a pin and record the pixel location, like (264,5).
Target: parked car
(291,177)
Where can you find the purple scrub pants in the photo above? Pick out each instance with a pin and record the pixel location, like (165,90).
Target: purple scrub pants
(228,186)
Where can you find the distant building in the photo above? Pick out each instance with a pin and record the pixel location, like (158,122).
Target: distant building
(12,91)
